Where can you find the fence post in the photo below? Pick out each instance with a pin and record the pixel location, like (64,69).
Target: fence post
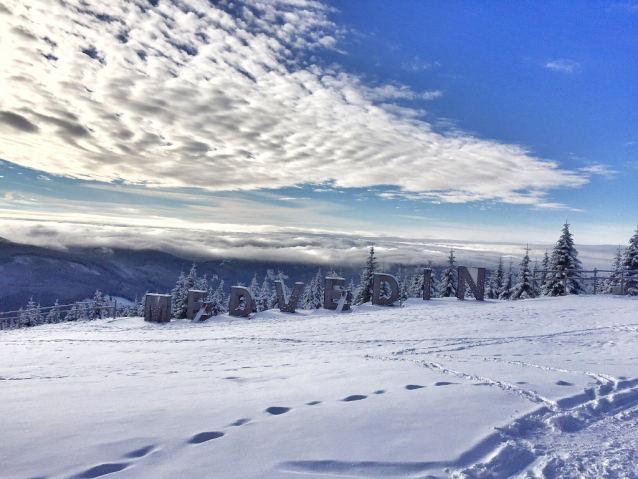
(534,284)
(595,271)
(114,308)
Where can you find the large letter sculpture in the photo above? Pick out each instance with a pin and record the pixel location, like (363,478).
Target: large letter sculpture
(288,305)
(334,296)
(427,280)
(376,289)
(157,308)
(475,279)
(195,298)
(235,308)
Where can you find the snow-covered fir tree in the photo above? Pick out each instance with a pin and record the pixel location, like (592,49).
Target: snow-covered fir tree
(363,293)
(447,286)
(416,284)
(53,316)
(218,299)
(312,297)
(98,304)
(32,315)
(404,285)
(523,288)
(72,314)
(494,286)
(83,312)
(508,283)
(564,261)
(630,263)
(616,273)
(255,288)
(266,291)
(179,299)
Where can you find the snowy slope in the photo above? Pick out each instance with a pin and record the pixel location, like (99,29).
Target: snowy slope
(535,388)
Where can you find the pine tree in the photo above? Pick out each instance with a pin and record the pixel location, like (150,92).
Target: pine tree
(630,263)
(32,315)
(447,287)
(416,284)
(546,265)
(523,288)
(434,281)
(564,261)
(179,300)
(53,316)
(616,275)
(83,312)
(506,292)
(363,293)
(72,314)
(495,283)
(254,287)
(96,307)
(266,291)
(315,298)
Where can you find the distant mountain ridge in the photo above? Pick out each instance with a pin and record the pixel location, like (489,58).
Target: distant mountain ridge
(72,275)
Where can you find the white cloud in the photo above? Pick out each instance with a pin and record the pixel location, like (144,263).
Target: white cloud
(599,169)
(263,243)
(562,65)
(191,94)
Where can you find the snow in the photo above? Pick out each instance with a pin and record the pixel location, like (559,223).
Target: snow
(538,388)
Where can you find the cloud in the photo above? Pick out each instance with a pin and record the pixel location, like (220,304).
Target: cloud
(562,65)
(603,170)
(227,97)
(284,245)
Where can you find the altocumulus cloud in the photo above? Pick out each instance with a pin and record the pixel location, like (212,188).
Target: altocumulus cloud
(226,97)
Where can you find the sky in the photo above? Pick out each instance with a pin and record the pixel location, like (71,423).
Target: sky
(306,130)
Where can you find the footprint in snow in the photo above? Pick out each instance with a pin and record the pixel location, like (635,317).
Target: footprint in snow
(354,397)
(563,383)
(240,422)
(102,470)
(205,436)
(412,387)
(277,410)
(141,452)
(380,391)
(443,383)
(313,403)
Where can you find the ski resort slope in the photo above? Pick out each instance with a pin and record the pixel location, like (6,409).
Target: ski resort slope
(537,388)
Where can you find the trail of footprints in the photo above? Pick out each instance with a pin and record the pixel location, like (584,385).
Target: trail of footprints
(206,436)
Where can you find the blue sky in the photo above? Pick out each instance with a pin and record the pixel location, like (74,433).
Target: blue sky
(446,121)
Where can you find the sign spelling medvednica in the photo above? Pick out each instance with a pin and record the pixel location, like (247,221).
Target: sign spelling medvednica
(288,305)
(334,294)
(235,305)
(377,297)
(475,279)
(427,279)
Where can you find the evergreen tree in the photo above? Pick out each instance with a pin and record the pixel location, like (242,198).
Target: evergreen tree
(179,300)
(32,315)
(363,294)
(630,263)
(506,292)
(72,314)
(23,319)
(254,287)
(218,299)
(54,314)
(404,285)
(315,297)
(416,284)
(447,287)
(266,291)
(496,281)
(523,288)
(616,274)
(83,312)
(564,261)
(98,304)
(434,281)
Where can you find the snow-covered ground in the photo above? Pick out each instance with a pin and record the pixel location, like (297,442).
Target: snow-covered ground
(535,388)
